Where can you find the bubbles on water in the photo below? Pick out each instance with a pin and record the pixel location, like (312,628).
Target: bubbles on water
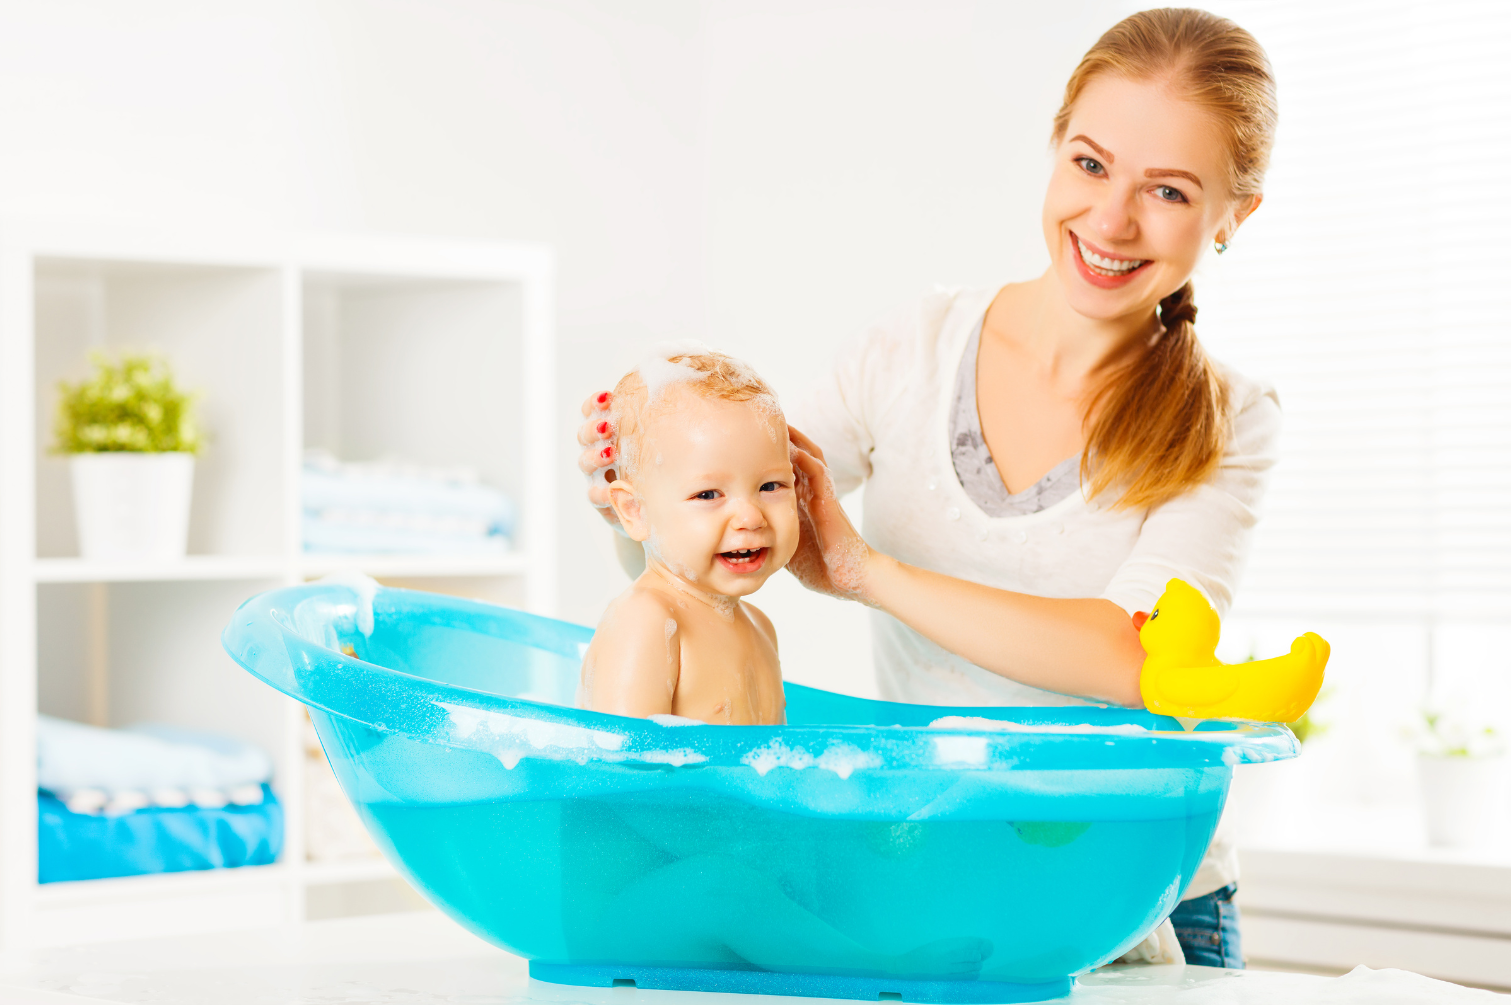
(841,758)
(662,719)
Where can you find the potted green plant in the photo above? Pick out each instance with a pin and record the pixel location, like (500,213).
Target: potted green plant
(130,437)
(1461,764)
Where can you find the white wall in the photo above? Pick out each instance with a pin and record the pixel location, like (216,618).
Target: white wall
(857,154)
(765,177)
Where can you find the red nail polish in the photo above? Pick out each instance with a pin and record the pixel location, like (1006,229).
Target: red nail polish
(608,452)
(603,397)
(603,429)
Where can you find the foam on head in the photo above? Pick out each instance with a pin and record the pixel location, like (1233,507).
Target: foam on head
(642,393)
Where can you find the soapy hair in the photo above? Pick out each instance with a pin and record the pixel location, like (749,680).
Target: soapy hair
(641,393)
(1158,426)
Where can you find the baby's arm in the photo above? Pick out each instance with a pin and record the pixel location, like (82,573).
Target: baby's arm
(635,660)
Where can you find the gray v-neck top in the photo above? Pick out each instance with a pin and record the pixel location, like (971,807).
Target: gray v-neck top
(973,461)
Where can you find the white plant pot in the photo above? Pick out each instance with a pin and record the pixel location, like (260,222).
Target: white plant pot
(132,507)
(1461,799)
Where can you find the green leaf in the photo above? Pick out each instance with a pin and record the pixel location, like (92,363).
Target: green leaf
(129,404)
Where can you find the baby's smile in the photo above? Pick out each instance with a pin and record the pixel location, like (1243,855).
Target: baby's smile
(745,560)
(718,506)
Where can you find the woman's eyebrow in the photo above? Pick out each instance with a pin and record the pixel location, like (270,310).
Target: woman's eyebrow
(1172,172)
(1093,145)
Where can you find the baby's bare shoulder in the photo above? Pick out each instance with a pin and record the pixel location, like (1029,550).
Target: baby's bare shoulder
(638,611)
(761,621)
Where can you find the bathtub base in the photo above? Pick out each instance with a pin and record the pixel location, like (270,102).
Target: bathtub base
(767,982)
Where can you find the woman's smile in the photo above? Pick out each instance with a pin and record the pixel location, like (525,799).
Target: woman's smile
(1102,268)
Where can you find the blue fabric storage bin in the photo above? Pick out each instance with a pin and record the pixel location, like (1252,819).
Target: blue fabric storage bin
(86,846)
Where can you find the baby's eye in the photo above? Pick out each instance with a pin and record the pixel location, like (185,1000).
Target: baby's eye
(707,494)
(772,487)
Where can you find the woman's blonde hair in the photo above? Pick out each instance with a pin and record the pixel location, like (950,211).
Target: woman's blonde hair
(1160,424)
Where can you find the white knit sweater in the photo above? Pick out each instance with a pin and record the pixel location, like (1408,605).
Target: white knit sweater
(882,418)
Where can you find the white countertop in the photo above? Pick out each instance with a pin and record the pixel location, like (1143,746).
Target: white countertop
(422,958)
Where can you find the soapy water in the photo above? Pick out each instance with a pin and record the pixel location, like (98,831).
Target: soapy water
(877,844)
(693,879)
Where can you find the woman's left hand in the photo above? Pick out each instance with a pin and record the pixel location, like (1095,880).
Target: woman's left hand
(831,557)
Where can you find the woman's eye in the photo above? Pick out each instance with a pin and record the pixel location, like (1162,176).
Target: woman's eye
(707,494)
(1091,166)
(1169,194)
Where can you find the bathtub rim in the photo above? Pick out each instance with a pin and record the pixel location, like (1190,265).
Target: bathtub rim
(264,637)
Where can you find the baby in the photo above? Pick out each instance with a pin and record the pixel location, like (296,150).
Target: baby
(706,484)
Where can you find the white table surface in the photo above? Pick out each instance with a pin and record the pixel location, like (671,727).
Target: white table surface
(422,958)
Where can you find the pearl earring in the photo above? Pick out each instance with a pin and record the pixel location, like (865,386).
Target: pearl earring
(1220,246)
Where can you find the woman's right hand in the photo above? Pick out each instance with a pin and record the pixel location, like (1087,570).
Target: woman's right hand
(600,450)
(832,558)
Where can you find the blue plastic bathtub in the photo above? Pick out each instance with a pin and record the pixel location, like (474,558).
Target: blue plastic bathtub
(856,852)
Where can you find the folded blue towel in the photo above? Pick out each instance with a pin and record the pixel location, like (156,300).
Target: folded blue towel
(376,490)
(73,756)
(85,846)
(326,536)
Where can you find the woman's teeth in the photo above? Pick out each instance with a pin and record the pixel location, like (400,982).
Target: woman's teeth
(1107,266)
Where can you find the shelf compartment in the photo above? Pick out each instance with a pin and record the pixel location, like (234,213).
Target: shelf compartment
(418,370)
(223,332)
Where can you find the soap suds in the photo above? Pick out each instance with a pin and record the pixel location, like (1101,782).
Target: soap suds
(676,758)
(662,719)
(960,750)
(659,373)
(975,722)
(840,758)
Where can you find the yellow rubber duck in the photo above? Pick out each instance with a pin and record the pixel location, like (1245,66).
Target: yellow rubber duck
(1183,677)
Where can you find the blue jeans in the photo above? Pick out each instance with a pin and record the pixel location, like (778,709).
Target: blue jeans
(1207,929)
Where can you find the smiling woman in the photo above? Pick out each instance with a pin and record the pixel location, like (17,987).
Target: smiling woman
(1152,214)
(1041,458)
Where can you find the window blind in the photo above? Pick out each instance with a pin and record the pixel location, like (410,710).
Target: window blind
(1370,289)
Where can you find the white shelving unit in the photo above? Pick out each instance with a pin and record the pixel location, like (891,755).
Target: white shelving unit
(438,352)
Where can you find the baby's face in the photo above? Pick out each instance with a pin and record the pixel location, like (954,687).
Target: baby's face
(713,498)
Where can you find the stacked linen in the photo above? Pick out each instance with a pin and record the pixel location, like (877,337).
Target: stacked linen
(388,507)
(150,799)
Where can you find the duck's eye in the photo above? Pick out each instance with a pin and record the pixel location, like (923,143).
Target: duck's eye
(1154,614)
